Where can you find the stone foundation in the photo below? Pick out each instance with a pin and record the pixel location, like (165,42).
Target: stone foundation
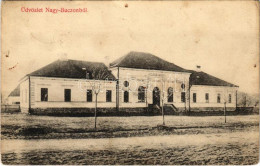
(209,111)
(212,109)
(91,112)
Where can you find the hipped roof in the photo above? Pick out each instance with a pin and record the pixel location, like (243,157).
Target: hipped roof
(74,69)
(202,78)
(142,60)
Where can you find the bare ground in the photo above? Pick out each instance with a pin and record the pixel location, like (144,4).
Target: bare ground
(21,126)
(202,149)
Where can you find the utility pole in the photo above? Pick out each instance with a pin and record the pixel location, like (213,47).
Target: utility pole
(225,112)
(163,109)
(245,100)
(236,100)
(163,86)
(96,112)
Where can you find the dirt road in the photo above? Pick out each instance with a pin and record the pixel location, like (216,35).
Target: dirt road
(234,148)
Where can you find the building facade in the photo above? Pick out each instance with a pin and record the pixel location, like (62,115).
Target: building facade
(137,81)
(62,93)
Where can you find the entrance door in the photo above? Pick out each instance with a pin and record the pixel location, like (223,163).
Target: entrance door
(156,96)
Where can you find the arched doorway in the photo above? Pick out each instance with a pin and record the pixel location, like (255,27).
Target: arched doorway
(156,96)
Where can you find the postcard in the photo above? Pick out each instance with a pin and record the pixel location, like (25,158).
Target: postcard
(130,82)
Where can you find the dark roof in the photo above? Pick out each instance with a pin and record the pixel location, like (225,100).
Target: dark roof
(141,60)
(74,69)
(201,78)
(15,92)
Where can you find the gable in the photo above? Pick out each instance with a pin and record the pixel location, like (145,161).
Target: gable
(15,92)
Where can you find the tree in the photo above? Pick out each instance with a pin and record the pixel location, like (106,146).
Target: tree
(163,99)
(225,99)
(246,100)
(166,95)
(97,74)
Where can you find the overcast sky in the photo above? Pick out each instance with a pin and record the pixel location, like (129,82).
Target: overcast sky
(222,37)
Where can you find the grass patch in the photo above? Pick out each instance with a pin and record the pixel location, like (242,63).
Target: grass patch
(22,126)
(32,131)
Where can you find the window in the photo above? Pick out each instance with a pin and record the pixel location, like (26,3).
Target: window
(126,96)
(44,94)
(126,83)
(218,98)
(170,94)
(207,97)
(183,97)
(89,95)
(141,94)
(194,97)
(109,96)
(67,95)
(229,98)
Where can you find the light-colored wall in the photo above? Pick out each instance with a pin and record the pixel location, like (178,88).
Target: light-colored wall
(78,88)
(156,78)
(24,95)
(213,91)
(12,100)
(147,78)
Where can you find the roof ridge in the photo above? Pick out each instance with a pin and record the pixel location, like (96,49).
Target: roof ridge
(82,61)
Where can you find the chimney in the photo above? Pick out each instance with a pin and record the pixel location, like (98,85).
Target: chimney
(107,61)
(198,68)
(63,57)
(87,74)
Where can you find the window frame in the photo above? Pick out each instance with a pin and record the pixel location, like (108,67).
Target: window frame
(194,97)
(229,98)
(183,97)
(218,98)
(141,94)
(65,95)
(207,97)
(126,83)
(170,95)
(87,95)
(126,101)
(42,97)
(108,95)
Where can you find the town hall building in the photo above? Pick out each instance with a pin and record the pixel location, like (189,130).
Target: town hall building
(137,82)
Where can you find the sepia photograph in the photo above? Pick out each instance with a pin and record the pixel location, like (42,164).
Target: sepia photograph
(130,82)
